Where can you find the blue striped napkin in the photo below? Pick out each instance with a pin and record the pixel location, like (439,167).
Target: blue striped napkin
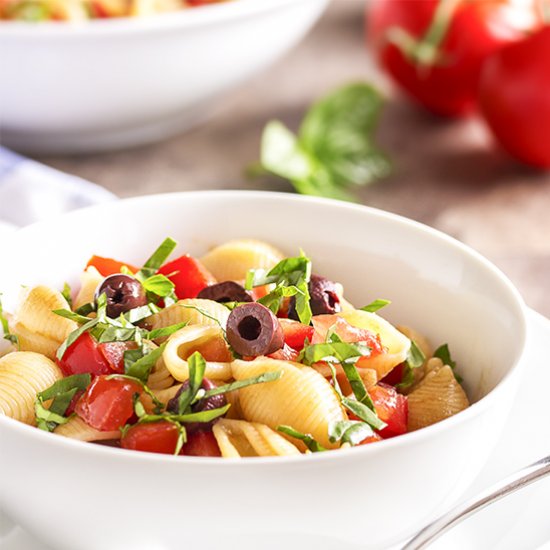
(30,191)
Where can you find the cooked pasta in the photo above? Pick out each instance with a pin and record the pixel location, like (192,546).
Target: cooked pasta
(23,374)
(36,326)
(271,360)
(238,438)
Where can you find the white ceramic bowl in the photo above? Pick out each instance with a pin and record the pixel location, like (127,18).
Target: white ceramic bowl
(108,84)
(81,496)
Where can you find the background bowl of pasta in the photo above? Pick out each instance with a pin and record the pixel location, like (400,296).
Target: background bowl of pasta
(111,83)
(371,495)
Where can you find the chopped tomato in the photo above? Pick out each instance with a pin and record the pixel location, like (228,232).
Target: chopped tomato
(392,408)
(189,276)
(296,333)
(395,376)
(371,439)
(286,353)
(259,292)
(114,354)
(108,266)
(201,444)
(84,356)
(347,332)
(154,437)
(108,403)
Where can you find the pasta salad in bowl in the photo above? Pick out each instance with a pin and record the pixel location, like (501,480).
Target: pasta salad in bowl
(344,348)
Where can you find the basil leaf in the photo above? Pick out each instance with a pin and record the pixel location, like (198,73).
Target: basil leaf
(139,313)
(415,359)
(262,378)
(443,353)
(339,130)
(73,316)
(349,431)
(333,352)
(112,333)
(197,366)
(364,413)
(159,285)
(166,331)
(201,417)
(75,381)
(310,442)
(140,367)
(6,328)
(375,305)
(66,293)
(85,309)
(156,260)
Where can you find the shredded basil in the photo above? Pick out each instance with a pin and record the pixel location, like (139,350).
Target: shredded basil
(197,367)
(415,359)
(66,292)
(443,353)
(139,363)
(364,413)
(157,259)
(261,379)
(375,305)
(310,442)
(159,285)
(6,327)
(349,431)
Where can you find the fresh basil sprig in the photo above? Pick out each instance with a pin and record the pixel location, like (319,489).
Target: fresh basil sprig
(310,442)
(415,359)
(375,305)
(443,353)
(239,384)
(334,149)
(157,259)
(291,278)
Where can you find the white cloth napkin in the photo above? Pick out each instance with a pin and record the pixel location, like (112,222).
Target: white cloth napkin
(30,191)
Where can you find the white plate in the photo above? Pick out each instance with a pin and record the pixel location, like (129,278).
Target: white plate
(520,521)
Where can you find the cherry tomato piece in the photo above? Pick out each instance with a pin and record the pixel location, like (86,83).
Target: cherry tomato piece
(108,403)
(108,266)
(113,352)
(201,444)
(296,333)
(154,437)
(189,276)
(392,408)
(286,353)
(84,356)
(515,98)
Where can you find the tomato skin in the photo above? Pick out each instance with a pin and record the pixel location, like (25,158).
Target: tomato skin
(108,403)
(515,98)
(189,276)
(201,444)
(392,408)
(108,266)
(154,437)
(286,353)
(449,87)
(296,333)
(83,356)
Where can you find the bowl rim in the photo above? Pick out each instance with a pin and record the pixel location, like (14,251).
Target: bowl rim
(201,16)
(475,409)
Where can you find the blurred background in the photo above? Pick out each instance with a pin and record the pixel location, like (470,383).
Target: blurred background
(446,172)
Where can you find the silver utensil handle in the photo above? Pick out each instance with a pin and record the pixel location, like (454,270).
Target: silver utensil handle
(509,485)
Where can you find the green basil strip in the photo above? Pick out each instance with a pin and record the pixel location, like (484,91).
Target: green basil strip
(73,316)
(6,327)
(85,309)
(415,359)
(262,378)
(310,442)
(110,333)
(159,285)
(363,413)
(357,385)
(66,293)
(375,305)
(139,313)
(202,416)
(141,367)
(166,331)
(157,259)
(197,367)
(75,381)
(443,353)
(349,431)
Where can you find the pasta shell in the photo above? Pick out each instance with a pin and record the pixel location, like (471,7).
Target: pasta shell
(193,311)
(24,374)
(301,398)
(232,261)
(160,377)
(237,438)
(37,327)
(436,397)
(196,338)
(76,428)
(89,281)
(395,342)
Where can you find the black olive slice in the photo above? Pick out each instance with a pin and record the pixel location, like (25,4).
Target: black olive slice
(228,291)
(252,330)
(123,294)
(323,298)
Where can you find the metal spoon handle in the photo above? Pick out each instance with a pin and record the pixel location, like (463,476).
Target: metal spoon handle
(509,485)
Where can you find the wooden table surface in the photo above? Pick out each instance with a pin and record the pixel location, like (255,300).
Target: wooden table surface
(446,173)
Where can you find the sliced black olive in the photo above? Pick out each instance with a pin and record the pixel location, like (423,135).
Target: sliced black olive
(123,294)
(205,404)
(323,298)
(228,291)
(252,329)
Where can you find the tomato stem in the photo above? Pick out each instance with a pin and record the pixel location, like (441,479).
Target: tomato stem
(424,52)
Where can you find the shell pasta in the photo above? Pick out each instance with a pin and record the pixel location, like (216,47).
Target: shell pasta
(245,352)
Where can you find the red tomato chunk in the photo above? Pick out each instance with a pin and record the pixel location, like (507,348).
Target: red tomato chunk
(392,408)
(156,437)
(108,403)
(189,276)
(201,444)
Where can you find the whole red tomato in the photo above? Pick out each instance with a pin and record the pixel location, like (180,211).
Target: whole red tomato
(434,49)
(515,98)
